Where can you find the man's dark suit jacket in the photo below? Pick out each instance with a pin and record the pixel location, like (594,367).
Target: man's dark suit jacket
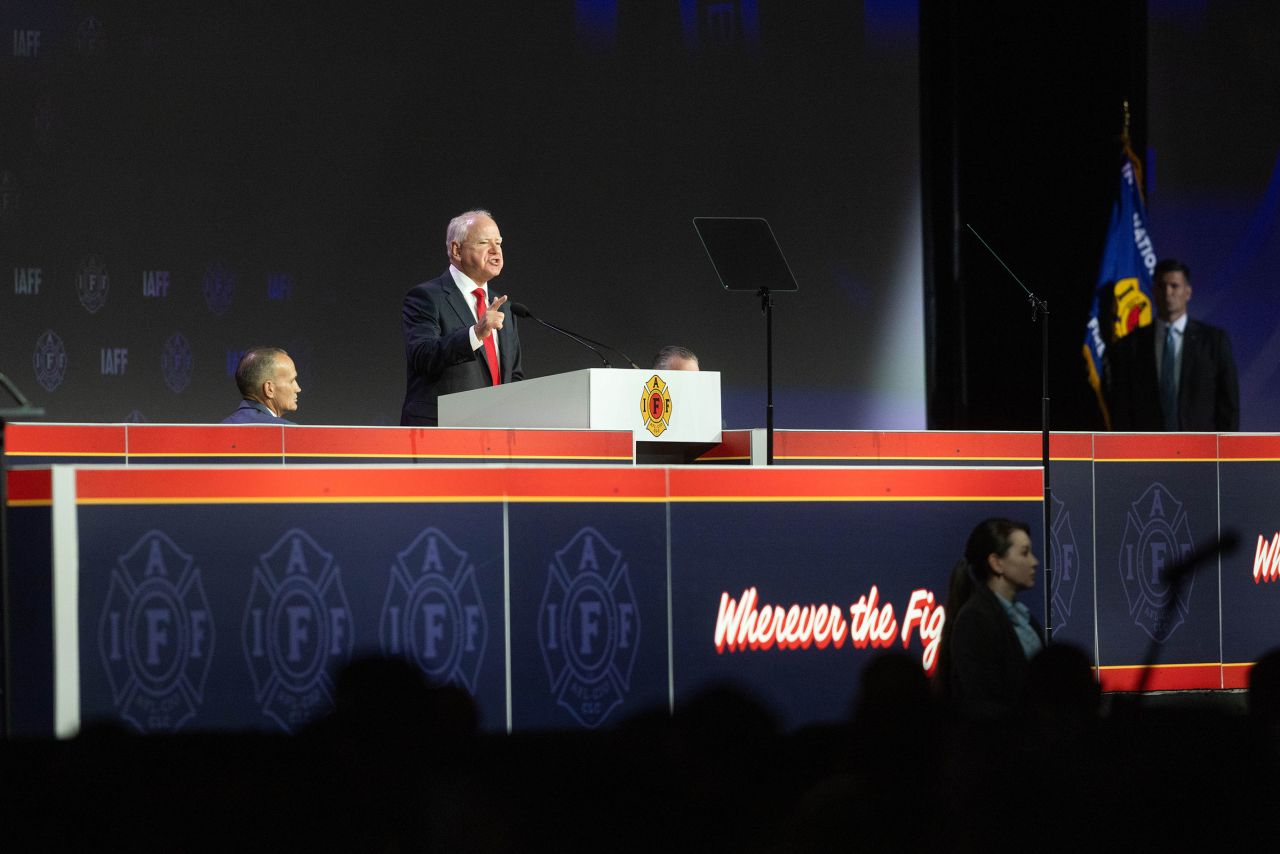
(252,412)
(1208,390)
(437,348)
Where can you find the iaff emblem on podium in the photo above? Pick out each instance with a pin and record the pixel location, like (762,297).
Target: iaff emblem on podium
(655,404)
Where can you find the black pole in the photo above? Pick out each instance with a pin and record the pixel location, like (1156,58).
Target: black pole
(1039,311)
(1043,307)
(4,587)
(766,305)
(24,409)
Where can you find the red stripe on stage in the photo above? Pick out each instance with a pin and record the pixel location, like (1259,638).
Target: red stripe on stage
(872,483)
(146,440)
(1155,446)
(33,486)
(305,484)
(734,445)
(51,440)
(1236,675)
(445,483)
(1233,446)
(410,442)
(1071,446)
(232,485)
(571,484)
(1165,677)
(926,446)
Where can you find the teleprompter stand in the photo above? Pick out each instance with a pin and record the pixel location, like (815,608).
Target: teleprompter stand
(746,256)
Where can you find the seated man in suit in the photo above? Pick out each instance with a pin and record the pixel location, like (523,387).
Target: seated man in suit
(457,337)
(268,382)
(1175,373)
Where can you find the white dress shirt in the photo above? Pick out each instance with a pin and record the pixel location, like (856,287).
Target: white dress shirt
(466,287)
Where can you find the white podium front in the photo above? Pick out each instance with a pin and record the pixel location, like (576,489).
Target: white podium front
(678,409)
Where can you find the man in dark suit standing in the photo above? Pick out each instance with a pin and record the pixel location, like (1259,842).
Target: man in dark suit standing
(457,337)
(1175,373)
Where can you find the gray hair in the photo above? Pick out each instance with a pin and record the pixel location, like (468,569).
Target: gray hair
(663,359)
(257,365)
(459,226)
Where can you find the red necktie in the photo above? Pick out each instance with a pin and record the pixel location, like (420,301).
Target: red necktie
(490,346)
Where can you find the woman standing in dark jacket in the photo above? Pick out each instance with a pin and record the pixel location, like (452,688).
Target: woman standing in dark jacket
(989,636)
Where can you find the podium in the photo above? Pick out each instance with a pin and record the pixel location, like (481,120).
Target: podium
(674,416)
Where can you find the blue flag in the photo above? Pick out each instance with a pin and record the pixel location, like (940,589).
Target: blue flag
(1122,298)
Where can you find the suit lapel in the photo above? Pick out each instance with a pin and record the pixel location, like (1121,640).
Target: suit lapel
(1190,342)
(461,310)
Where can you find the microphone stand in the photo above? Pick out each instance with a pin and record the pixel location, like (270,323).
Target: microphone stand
(520,310)
(625,357)
(1175,577)
(524,312)
(766,306)
(1039,311)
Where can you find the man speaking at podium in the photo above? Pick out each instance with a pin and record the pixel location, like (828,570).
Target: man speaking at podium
(457,335)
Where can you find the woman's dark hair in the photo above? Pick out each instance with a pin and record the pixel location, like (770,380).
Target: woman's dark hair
(991,536)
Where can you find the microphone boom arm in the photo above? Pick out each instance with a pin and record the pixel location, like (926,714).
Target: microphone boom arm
(519,310)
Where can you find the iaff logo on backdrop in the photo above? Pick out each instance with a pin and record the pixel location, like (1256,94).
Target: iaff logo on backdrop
(297,627)
(219,286)
(155,635)
(10,198)
(91,36)
(655,406)
(26,281)
(50,360)
(1266,559)
(1062,540)
(1157,534)
(92,284)
(155,283)
(433,611)
(26,43)
(589,627)
(113,361)
(745,624)
(176,362)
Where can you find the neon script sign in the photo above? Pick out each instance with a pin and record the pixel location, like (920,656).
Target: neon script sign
(1266,560)
(745,624)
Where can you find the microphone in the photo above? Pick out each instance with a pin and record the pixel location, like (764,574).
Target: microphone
(519,310)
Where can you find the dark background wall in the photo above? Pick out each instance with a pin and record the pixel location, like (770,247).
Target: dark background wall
(244,173)
(1022,113)
(1021,117)
(1214,175)
(292,167)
